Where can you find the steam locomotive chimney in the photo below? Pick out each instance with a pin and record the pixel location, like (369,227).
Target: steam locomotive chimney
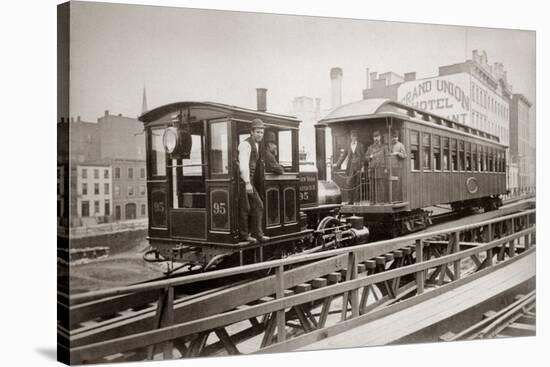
(321,160)
(261,99)
(336,86)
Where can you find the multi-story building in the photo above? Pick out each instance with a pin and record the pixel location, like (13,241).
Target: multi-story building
(129,189)
(308,111)
(521,152)
(120,137)
(114,142)
(94,193)
(472,92)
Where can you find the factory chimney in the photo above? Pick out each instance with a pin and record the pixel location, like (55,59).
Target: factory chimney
(261,99)
(336,75)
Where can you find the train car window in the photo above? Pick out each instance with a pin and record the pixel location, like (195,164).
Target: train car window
(158,154)
(461,155)
(490,159)
(468,157)
(475,158)
(437,152)
(219,150)
(446,159)
(193,165)
(426,159)
(483,153)
(503,161)
(285,148)
(415,158)
(454,157)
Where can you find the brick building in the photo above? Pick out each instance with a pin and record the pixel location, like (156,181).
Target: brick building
(129,189)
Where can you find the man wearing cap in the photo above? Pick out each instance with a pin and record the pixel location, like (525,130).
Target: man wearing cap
(271,163)
(377,171)
(397,148)
(398,151)
(354,154)
(251,168)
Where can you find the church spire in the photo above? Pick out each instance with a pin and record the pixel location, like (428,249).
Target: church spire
(144,102)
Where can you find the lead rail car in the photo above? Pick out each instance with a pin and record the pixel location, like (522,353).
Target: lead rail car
(447,163)
(192,188)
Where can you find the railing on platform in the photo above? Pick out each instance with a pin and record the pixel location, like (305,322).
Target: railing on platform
(407,270)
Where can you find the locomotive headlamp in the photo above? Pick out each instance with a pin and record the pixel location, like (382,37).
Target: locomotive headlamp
(177,142)
(170,139)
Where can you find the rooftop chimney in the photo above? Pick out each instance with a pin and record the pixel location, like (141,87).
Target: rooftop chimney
(261,99)
(368,79)
(336,75)
(106,113)
(410,76)
(78,118)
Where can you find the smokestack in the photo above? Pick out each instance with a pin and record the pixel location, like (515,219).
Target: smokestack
(320,148)
(368,79)
(261,99)
(317,105)
(336,75)
(106,113)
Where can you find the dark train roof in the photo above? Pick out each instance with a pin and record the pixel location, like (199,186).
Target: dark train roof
(210,110)
(378,107)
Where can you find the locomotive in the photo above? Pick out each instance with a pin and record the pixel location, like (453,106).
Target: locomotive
(192,179)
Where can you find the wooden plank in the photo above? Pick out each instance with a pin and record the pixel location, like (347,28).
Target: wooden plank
(334,278)
(152,337)
(318,283)
(228,344)
(280,288)
(420,274)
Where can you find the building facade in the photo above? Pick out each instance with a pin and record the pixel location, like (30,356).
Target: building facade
(115,144)
(522,153)
(472,92)
(129,189)
(94,193)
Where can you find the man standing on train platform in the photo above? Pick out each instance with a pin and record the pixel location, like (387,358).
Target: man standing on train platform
(396,174)
(251,169)
(397,148)
(377,170)
(354,154)
(271,163)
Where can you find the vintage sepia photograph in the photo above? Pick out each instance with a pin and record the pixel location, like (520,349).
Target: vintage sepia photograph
(236,182)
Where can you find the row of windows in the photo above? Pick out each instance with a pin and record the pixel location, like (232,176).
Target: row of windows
(85,208)
(130,209)
(84,173)
(440,153)
(96,189)
(130,172)
(130,190)
(482,98)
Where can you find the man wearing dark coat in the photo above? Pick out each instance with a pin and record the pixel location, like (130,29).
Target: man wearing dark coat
(377,171)
(271,163)
(354,155)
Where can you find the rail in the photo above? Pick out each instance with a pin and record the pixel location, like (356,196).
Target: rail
(406,270)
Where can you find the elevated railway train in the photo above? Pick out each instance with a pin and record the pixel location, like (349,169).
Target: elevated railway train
(192,179)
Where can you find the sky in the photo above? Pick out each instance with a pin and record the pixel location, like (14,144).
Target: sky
(222,56)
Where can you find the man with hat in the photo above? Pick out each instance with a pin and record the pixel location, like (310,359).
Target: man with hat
(398,151)
(354,155)
(397,148)
(251,169)
(271,163)
(377,171)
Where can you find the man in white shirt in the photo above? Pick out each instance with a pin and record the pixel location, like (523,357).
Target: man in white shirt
(251,169)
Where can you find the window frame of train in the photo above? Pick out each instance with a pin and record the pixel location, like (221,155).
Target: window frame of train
(426,152)
(437,156)
(414,143)
(446,164)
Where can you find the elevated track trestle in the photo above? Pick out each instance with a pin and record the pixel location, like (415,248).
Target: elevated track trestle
(309,297)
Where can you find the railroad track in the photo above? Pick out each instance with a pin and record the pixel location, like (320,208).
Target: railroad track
(517,319)
(126,313)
